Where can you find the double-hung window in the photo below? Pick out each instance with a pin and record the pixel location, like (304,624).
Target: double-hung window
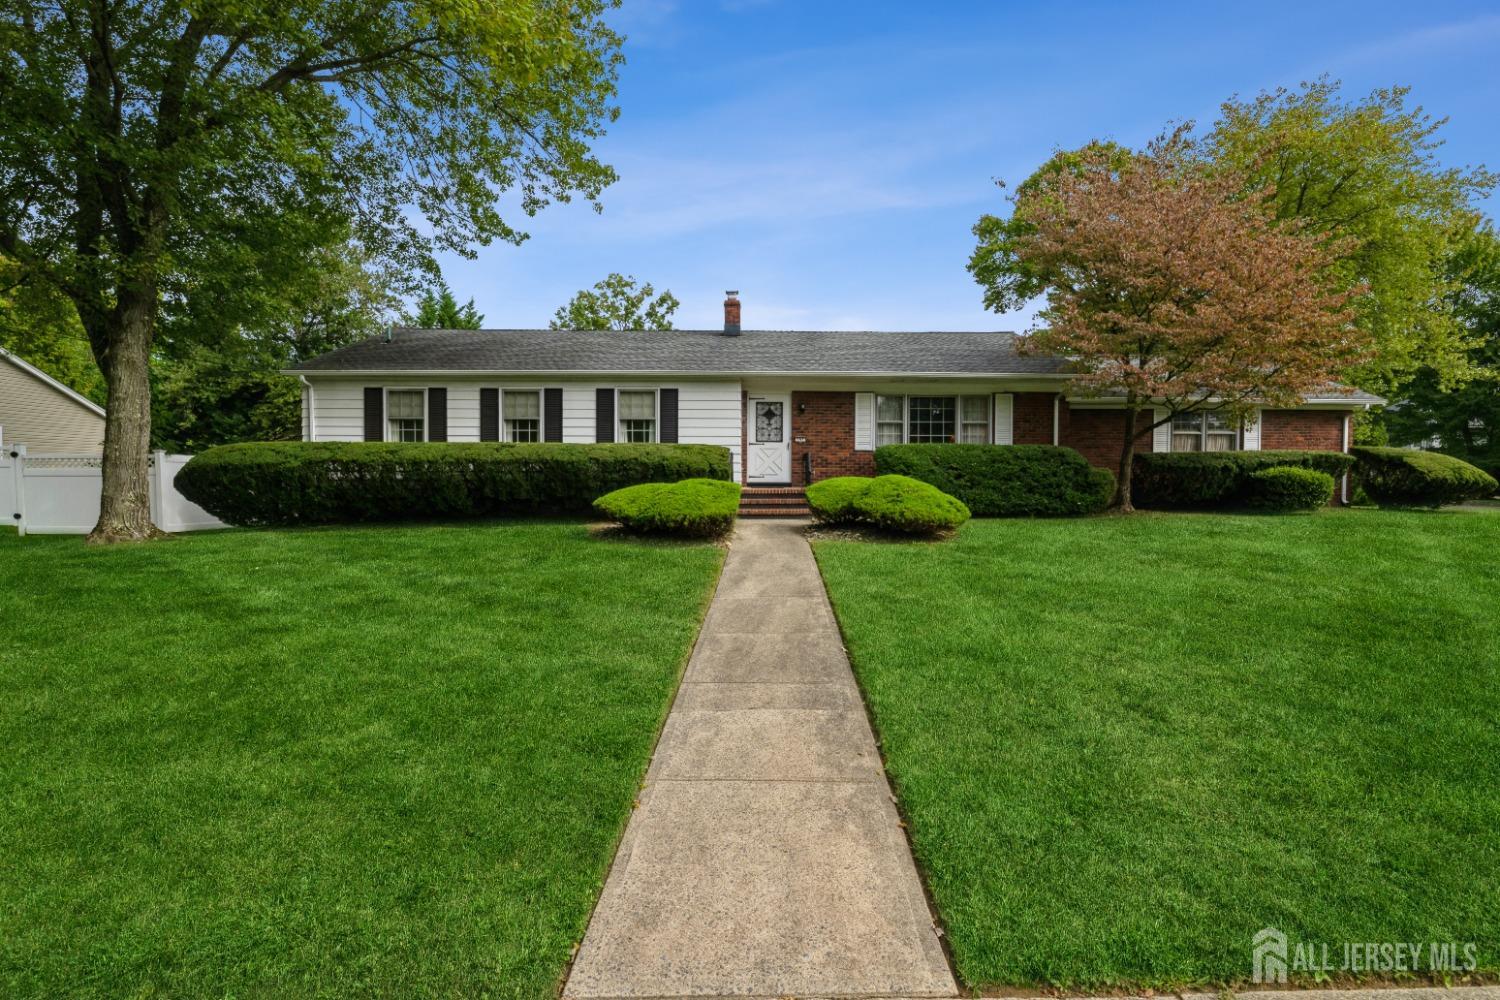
(932,419)
(521,410)
(975,413)
(890,419)
(637,416)
(1206,430)
(405,412)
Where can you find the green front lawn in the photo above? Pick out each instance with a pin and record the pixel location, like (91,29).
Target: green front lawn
(1124,745)
(377,761)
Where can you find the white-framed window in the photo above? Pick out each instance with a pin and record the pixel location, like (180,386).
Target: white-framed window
(636,412)
(974,412)
(890,420)
(406,414)
(932,419)
(1205,430)
(521,414)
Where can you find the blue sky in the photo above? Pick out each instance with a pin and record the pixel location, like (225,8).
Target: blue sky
(829,158)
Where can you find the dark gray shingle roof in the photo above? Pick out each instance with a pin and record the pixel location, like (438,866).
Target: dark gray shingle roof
(687,351)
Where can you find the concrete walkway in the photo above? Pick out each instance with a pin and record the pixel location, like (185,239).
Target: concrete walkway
(765,858)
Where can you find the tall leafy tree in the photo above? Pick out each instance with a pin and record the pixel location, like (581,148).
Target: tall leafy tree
(437,309)
(39,325)
(155,152)
(1171,288)
(617,303)
(209,390)
(1464,421)
(1368,170)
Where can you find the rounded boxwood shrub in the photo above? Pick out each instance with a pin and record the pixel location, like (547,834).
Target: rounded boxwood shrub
(1206,480)
(832,500)
(693,508)
(1290,487)
(910,506)
(325,482)
(1024,480)
(1400,477)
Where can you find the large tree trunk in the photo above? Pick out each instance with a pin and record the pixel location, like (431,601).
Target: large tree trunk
(125,504)
(1121,501)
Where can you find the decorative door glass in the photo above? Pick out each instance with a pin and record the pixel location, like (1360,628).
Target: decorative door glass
(768,421)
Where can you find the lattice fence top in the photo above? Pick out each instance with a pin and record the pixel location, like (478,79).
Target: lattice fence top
(73,461)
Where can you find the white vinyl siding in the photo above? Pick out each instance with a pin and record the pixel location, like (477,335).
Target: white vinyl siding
(707,412)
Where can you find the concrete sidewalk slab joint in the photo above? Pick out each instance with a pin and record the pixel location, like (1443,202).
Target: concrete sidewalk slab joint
(765,858)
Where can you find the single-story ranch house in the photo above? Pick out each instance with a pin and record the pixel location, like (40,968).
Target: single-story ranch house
(792,406)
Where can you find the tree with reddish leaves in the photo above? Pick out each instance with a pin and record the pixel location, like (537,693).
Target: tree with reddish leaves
(1174,290)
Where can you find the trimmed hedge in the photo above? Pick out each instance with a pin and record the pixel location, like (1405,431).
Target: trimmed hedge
(1209,479)
(694,508)
(1290,487)
(1400,477)
(1025,480)
(832,500)
(894,503)
(305,482)
(910,506)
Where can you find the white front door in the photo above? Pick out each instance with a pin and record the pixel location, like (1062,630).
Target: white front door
(768,438)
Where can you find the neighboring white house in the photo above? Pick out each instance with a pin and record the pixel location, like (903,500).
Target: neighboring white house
(40,412)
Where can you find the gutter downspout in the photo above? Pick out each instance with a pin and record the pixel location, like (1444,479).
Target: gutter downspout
(1056,418)
(312,412)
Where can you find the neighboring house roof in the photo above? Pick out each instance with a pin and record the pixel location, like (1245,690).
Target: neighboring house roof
(712,352)
(51,382)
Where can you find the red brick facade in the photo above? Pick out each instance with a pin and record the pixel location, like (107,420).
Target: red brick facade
(1099,435)
(823,431)
(1302,430)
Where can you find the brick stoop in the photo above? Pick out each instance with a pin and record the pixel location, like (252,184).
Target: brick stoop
(774,501)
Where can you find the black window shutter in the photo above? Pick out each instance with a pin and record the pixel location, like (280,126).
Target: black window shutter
(668,403)
(551,414)
(489,414)
(604,414)
(437,414)
(374,413)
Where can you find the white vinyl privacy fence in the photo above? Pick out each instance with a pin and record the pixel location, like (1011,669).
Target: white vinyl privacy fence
(59,494)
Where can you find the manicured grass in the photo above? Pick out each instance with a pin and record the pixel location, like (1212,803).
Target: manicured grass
(381,761)
(1124,745)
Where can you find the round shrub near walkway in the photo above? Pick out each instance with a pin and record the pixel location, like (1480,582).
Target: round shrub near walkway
(1400,477)
(1024,480)
(1289,488)
(910,506)
(693,508)
(304,482)
(832,500)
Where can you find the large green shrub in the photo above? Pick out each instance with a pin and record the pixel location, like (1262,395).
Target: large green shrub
(1210,479)
(694,508)
(1400,477)
(1025,480)
(910,506)
(832,500)
(1290,487)
(301,482)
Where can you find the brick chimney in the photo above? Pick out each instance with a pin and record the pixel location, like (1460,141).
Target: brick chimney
(732,314)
